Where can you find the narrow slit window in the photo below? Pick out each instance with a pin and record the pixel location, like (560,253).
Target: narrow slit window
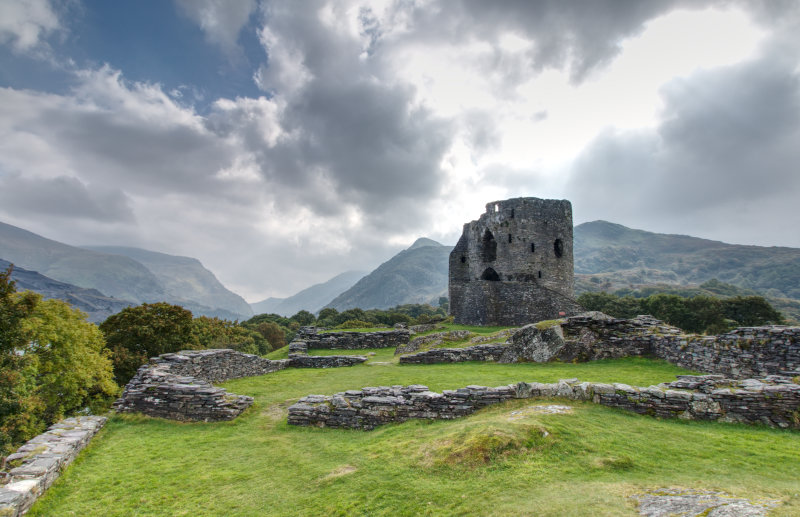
(540,274)
(533,248)
(510,238)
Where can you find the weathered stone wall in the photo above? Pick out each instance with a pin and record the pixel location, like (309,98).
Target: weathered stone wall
(773,401)
(487,352)
(514,264)
(353,340)
(743,353)
(31,470)
(217,364)
(178,386)
(431,340)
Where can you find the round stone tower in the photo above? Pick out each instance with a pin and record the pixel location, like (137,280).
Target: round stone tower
(514,264)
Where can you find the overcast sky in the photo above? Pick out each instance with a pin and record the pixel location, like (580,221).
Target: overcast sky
(282,143)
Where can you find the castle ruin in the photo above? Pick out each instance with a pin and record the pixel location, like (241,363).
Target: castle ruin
(514,264)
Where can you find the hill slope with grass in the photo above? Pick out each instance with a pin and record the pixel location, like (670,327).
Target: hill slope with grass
(415,275)
(648,258)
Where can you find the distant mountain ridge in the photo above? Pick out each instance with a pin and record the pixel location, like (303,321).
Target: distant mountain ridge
(121,273)
(604,248)
(184,279)
(418,274)
(91,301)
(311,299)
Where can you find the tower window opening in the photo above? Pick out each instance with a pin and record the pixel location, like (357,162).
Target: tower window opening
(489,247)
(512,213)
(510,238)
(533,248)
(463,259)
(540,274)
(558,247)
(497,207)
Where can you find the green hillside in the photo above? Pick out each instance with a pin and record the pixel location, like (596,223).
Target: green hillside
(649,258)
(415,275)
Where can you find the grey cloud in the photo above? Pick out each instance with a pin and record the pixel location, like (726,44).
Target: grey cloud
(578,36)
(726,147)
(350,124)
(64,197)
(148,158)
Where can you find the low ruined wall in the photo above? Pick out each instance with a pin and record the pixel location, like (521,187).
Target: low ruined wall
(178,386)
(37,464)
(431,340)
(774,401)
(217,365)
(325,361)
(353,340)
(489,352)
(742,353)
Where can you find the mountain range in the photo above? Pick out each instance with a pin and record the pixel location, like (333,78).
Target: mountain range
(129,276)
(608,257)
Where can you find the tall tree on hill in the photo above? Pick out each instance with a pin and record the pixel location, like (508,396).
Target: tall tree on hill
(136,334)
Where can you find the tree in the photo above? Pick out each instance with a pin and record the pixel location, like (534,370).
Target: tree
(273,334)
(748,311)
(52,363)
(73,365)
(20,407)
(135,334)
(217,333)
(304,318)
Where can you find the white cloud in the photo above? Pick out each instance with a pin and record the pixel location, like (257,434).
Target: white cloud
(24,24)
(220,20)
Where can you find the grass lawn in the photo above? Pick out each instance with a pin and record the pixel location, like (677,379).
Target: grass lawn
(583,463)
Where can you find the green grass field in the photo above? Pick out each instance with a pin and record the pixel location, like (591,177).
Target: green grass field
(584,463)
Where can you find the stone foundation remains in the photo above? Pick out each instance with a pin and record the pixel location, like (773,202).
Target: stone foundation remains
(178,386)
(773,401)
(352,340)
(742,353)
(37,464)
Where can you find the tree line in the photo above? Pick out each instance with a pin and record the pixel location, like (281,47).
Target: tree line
(698,314)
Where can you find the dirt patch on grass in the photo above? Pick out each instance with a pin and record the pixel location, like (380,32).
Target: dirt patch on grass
(338,472)
(541,409)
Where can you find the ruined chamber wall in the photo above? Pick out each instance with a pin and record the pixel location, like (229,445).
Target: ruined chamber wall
(773,401)
(178,385)
(514,265)
(746,352)
(349,340)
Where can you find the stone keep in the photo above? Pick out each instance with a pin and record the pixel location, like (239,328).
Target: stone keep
(514,266)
